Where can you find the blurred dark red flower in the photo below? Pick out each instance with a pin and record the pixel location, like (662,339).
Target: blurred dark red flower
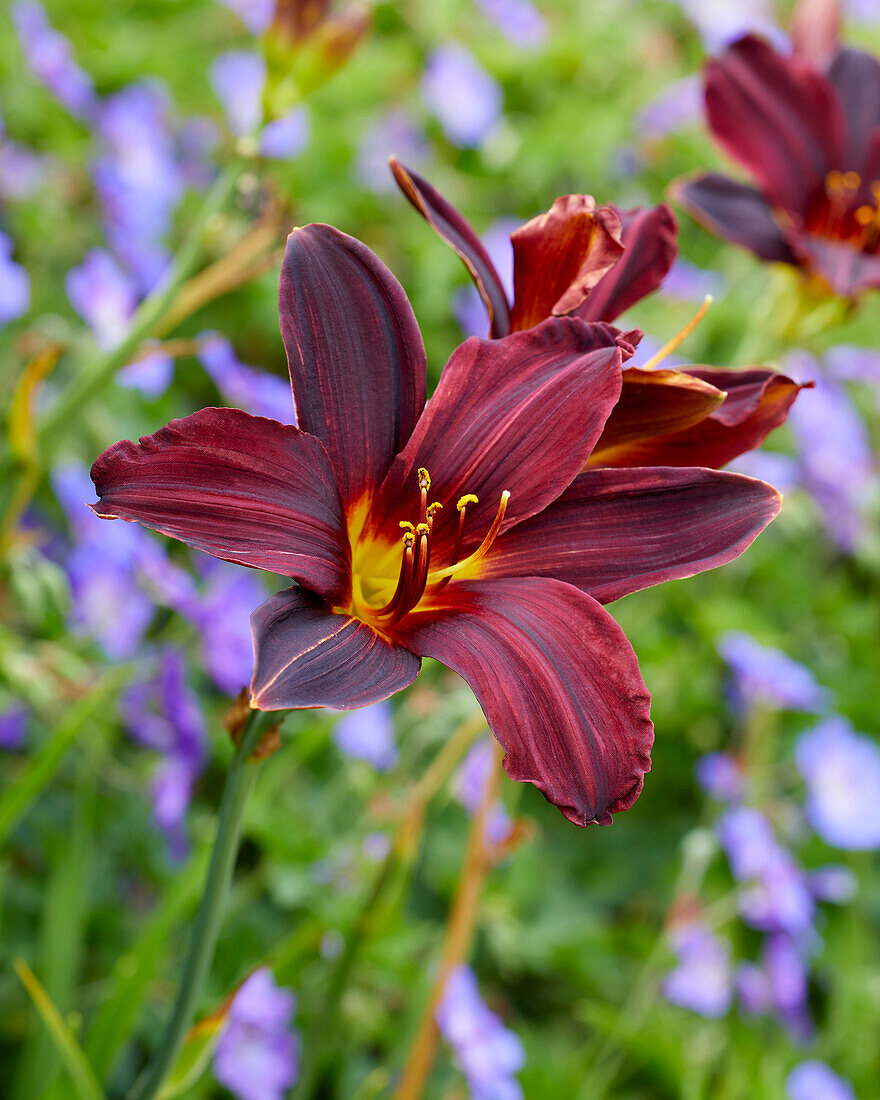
(594,263)
(807,129)
(460,529)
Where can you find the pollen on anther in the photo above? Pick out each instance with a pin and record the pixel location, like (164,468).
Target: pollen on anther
(423,529)
(405,525)
(865,215)
(467,499)
(432,508)
(852,181)
(424,479)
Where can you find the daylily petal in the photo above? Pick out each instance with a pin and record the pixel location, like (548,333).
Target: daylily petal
(559,685)
(618,531)
(847,269)
(652,403)
(459,234)
(776,116)
(649,239)
(521,414)
(738,213)
(356,358)
(757,401)
(309,656)
(240,487)
(558,257)
(856,76)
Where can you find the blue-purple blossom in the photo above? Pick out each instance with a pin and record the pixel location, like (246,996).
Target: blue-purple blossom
(848,363)
(833,883)
(518,20)
(368,734)
(238,78)
(197,140)
(50,56)
(762,676)
(837,463)
(163,714)
(103,295)
(257,1055)
(393,133)
(150,374)
(462,96)
(470,789)
(287,136)
(255,14)
(678,105)
(245,387)
(841,769)
(813,1080)
(468,306)
(22,171)
(15,286)
(719,22)
(691,283)
(721,776)
(778,984)
(489,1055)
(13,728)
(780,471)
(703,979)
(138,178)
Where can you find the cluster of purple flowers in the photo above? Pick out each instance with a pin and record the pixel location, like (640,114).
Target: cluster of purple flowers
(776,896)
(368,734)
(470,789)
(489,1055)
(257,1054)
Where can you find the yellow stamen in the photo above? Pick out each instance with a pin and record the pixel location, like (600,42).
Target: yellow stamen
(423,529)
(481,551)
(467,499)
(670,345)
(852,181)
(432,508)
(865,215)
(834,182)
(406,525)
(424,479)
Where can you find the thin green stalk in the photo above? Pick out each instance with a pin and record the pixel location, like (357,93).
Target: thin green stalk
(99,370)
(239,780)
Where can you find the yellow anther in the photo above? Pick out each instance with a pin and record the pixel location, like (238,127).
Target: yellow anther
(432,508)
(482,550)
(409,540)
(834,182)
(467,499)
(424,479)
(852,181)
(423,529)
(406,525)
(670,345)
(875,189)
(865,215)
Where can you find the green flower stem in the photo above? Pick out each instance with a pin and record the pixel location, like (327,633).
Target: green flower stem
(239,780)
(96,372)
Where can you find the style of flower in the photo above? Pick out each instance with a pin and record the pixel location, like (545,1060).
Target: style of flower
(594,262)
(462,529)
(805,127)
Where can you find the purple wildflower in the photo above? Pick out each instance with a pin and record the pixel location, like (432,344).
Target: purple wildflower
(463,97)
(238,78)
(257,1055)
(786,970)
(678,105)
(488,1054)
(163,715)
(13,728)
(150,375)
(814,1080)
(257,391)
(836,459)
(50,56)
(103,295)
(847,363)
(691,283)
(287,136)
(780,471)
(22,171)
(255,14)
(470,786)
(768,677)
(833,883)
(703,979)
(15,286)
(468,306)
(368,734)
(393,132)
(518,20)
(842,771)
(719,22)
(721,777)
(197,141)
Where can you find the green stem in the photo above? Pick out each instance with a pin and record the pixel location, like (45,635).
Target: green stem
(239,780)
(98,371)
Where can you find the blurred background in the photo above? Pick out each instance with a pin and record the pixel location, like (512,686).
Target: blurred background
(721,938)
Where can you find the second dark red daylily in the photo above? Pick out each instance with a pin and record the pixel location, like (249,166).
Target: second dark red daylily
(459,529)
(594,263)
(807,129)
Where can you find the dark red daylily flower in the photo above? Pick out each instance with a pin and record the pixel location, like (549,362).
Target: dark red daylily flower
(459,529)
(807,129)
(595,263)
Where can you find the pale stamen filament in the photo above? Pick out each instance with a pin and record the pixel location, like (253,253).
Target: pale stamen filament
(482,550)
(670,345)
